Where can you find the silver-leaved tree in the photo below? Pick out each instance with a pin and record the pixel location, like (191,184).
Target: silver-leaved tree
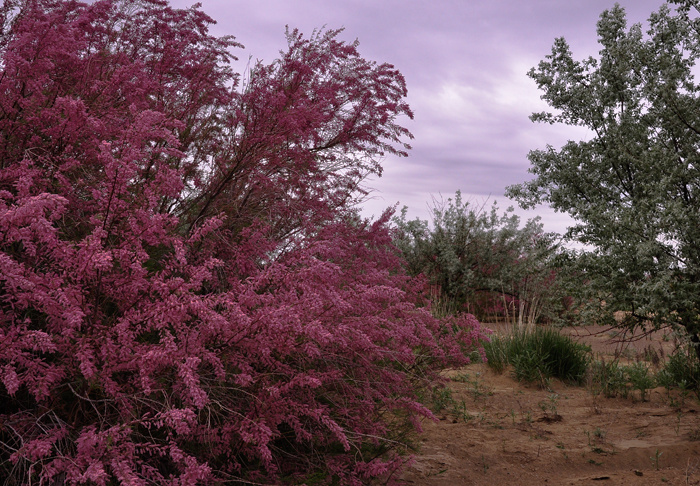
(633,186)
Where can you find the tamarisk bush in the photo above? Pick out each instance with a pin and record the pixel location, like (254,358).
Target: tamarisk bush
(187,295)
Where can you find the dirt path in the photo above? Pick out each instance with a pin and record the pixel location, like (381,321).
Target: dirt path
(495,431)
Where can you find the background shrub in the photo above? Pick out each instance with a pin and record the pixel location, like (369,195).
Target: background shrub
(486,263)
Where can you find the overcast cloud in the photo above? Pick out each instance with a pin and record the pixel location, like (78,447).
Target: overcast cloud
(465,64)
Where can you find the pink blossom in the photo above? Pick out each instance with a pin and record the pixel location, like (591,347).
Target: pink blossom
(188,295)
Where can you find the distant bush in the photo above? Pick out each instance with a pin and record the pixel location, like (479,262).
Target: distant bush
(538,356)
(486,263)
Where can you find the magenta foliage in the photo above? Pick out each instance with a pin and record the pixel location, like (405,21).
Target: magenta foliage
(186,295)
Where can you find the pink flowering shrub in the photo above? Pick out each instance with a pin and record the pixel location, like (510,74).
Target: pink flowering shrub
(186,294)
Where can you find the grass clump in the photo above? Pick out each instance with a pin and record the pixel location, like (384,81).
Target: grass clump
(682,370)
(538,356)
(640,378)
(608,378)
(613,379)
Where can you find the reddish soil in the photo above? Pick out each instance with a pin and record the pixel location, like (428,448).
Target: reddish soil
(496,431)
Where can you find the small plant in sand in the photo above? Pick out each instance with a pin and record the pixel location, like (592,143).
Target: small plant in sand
(640,378)
(549,407)
(608,378)
(655,459)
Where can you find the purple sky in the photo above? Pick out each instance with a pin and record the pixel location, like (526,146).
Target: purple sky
(465,64)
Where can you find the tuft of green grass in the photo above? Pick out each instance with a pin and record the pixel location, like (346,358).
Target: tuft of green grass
(613,379)
(608,378)
(497,353)
(538,356)
(640,378)
(682,370)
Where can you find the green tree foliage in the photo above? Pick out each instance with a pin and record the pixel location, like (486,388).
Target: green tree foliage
(633,185)
(484,262)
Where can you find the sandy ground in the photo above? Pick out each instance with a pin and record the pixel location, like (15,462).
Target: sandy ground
(496,431)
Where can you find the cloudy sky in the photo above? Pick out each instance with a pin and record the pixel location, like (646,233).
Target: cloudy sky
(465,63)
